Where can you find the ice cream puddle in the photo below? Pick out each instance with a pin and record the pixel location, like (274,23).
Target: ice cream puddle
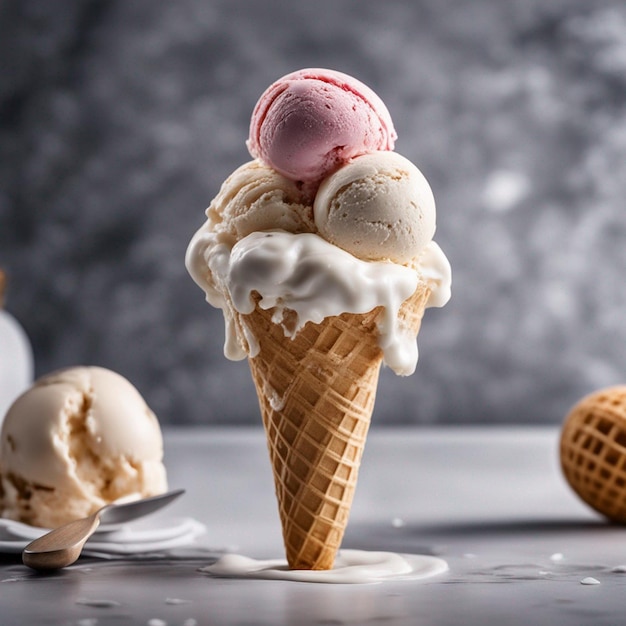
(351,567)
(306,274)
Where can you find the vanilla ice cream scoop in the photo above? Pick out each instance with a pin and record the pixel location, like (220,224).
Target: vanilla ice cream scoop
(378,206)
(255,198)
(75,441)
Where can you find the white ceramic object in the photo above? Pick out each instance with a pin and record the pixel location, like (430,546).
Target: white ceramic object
(16,361)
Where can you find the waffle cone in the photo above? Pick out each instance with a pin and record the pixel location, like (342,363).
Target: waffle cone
(316,393)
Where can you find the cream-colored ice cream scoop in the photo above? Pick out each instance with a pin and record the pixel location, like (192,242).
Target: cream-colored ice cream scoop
(75,441)
(378,206)
(256,198)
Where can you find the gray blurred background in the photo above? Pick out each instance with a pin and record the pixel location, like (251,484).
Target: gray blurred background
(120,119)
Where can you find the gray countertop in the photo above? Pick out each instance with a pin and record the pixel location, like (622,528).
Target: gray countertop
(491,502)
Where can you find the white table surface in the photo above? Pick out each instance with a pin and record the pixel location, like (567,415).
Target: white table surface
(490,501)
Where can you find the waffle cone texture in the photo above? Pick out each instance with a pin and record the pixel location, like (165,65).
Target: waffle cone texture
(316,393)
(593,451)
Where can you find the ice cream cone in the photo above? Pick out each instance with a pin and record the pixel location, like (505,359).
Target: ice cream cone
(316,393)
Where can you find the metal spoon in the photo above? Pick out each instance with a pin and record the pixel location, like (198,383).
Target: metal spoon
(62,546)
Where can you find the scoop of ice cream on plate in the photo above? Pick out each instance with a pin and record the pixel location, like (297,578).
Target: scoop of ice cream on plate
(78,439)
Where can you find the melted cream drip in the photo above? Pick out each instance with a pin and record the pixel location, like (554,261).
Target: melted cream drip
(351,567)
(315,279)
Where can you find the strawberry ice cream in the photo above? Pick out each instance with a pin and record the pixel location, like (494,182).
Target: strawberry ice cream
(309,122)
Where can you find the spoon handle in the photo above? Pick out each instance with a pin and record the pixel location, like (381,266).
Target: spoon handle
(61,546)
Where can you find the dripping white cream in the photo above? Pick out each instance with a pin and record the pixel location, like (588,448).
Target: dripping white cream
(314,279)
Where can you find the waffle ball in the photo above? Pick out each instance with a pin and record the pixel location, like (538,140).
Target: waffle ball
(593,451)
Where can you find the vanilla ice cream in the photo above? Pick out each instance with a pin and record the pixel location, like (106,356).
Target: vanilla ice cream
(76,440)
(255,198)
(378,206)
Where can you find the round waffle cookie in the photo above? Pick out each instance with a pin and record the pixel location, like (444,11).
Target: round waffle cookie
(593,451)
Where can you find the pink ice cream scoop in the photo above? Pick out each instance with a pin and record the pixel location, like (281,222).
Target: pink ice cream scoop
(308,123)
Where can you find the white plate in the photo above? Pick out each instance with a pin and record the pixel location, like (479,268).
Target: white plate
(140,536)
